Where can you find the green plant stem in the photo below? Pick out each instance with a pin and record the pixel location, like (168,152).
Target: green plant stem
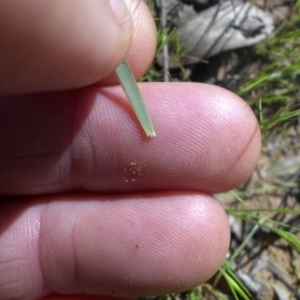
(132,91)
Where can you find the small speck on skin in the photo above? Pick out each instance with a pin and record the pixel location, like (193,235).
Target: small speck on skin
(132,171)
(136,246)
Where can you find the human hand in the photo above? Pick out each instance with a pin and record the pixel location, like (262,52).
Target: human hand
(89,205)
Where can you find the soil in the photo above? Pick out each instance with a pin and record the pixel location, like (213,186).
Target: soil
(268,266)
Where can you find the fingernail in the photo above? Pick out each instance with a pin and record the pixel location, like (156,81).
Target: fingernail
(120,10)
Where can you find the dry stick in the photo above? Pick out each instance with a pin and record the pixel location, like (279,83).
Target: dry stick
(133,94)
(163,23)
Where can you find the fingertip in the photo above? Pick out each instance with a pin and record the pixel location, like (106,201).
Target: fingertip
(217,127)
(115,245)
(215,239)
(159,244)
(242,131)
(143,47)
(83,297)
(60,45)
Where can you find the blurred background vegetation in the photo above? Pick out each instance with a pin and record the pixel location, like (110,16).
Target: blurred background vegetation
(264,213)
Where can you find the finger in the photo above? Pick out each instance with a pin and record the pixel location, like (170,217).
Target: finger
(84,297)
(207,139)
(134,245)
(144,35)
(60,45)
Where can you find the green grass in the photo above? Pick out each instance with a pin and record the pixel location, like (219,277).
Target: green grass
(275,90)
(274,95)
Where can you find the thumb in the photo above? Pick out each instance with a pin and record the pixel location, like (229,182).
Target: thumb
(56,45)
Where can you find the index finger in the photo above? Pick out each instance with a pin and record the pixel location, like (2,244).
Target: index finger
(208,139)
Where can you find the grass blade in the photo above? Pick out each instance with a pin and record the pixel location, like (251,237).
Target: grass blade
(132,91)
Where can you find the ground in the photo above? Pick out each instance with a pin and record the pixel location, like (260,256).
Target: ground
(269,219)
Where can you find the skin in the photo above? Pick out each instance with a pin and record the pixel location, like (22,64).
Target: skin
(90,208)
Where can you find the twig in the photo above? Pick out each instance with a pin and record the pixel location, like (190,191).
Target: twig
(163,24)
